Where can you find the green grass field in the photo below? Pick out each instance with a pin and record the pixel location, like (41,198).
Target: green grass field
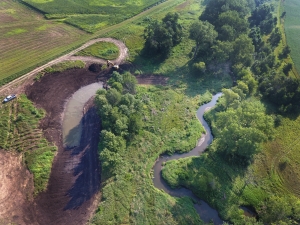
(19,132)
(28,40)
(104,50)
(292,29)
(91,15)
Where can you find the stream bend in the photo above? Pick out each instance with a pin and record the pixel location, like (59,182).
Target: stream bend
(204,210)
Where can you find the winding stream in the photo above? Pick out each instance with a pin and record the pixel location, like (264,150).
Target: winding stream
(204,210)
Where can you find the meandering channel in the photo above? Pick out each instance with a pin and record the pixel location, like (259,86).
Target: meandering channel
(204,210)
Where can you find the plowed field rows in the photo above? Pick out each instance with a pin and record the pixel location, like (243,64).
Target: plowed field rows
(27,39)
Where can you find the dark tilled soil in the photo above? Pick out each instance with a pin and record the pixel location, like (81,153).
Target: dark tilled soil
(73,191)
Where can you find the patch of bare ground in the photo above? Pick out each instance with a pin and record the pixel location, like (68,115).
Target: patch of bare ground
(16,188)
(183,5)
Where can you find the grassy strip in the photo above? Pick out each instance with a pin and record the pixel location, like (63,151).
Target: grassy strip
(19,132)
(281,24)
(104,50)
(91,16)
(292,29)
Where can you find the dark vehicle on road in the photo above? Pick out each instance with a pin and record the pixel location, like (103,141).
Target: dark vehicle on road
(9,98)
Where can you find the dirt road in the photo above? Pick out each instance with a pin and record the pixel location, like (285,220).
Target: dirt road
(17,85)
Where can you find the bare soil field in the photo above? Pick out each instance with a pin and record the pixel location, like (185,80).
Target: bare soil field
(74,186)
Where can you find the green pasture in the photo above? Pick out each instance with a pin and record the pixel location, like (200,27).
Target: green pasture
(292,29)
(104,50)
(19,132)
(92,15)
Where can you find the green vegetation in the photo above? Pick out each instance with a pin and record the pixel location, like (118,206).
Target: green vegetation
(161,37)
(137,129)
(104,50)
(243,166)
(20,133)
(292,29)
(92,15)
(270,184)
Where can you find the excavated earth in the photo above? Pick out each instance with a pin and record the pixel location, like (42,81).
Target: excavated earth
(74,186)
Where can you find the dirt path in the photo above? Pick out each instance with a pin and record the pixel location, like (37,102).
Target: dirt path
(17,85)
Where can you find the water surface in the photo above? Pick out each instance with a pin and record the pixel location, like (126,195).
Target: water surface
(71,126)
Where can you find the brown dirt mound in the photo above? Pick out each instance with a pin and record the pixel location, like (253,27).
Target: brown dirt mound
(16,189)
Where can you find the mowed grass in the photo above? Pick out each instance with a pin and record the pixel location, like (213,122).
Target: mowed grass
(292,29)
(28,40)
(19,132)
(104,50)
(281,159)
(91,15)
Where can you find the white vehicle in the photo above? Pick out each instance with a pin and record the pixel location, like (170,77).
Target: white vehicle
(9,98)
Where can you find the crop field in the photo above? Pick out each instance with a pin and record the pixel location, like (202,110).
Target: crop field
(292,29)
(91,15)
(28,40)
(19,133)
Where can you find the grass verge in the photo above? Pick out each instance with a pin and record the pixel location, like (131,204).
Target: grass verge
(103,50)
(292,29)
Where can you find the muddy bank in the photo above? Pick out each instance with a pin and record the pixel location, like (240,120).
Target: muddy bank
(73,189)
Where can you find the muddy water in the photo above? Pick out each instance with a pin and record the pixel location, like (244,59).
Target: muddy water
(205,211)
(73,113)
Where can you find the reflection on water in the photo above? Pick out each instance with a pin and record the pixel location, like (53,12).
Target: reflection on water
(73,113)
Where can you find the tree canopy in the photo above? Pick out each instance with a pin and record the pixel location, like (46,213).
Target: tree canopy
(162,36)
(241,128)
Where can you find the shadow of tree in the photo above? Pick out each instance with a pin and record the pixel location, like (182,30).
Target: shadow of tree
(88,170)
